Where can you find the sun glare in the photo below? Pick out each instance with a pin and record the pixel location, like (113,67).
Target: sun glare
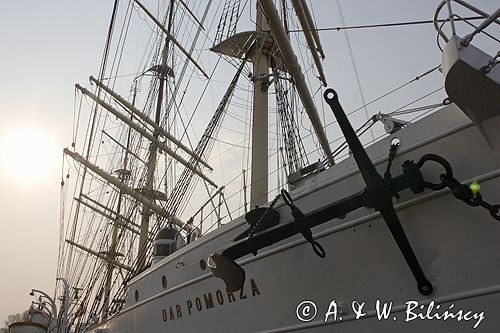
(27,154)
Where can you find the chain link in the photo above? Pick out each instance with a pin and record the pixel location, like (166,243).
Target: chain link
(392,154)
(444,163)
(459,190)
(492,63)
(271,206)
(474,199)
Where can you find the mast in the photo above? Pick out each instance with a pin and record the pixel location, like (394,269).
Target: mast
(236,46)
(162,76)
(295,71)
(260,59)
(170,37)
(307,24)
(112,254)
(312,28)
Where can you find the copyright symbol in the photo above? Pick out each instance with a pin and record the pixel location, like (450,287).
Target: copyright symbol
(306,311)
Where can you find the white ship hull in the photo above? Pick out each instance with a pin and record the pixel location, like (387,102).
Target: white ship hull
(457,246)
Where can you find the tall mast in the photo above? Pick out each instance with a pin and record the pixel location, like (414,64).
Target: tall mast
(162,75)
(293,66)
(260,59)
(260,46)
(112,253)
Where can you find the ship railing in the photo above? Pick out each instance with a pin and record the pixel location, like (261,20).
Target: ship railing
(469,70)
(216,208)
(488,20)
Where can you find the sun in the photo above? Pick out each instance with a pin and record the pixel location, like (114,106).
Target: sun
(27,154)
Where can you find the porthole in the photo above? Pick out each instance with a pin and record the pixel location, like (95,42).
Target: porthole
(203,264)
(136,295)
(164,282)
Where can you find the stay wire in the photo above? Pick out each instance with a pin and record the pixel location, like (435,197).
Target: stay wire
(354,66)
(385,25)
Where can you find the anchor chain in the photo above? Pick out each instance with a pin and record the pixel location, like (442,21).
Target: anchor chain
(492,63)
(392,155)
(460,191)
(253,229)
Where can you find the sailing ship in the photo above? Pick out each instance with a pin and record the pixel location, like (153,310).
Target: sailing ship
(399,235)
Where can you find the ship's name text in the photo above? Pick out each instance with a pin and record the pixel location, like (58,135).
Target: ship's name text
(208,301)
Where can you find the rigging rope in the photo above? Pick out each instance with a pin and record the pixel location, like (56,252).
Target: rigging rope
(385,25)
(228,21)
(122,290)
(354,66)
(294,147)
(204,146)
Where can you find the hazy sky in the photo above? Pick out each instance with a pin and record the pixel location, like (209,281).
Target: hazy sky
(47,46)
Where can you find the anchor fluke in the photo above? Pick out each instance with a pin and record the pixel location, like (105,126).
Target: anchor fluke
(228,270)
